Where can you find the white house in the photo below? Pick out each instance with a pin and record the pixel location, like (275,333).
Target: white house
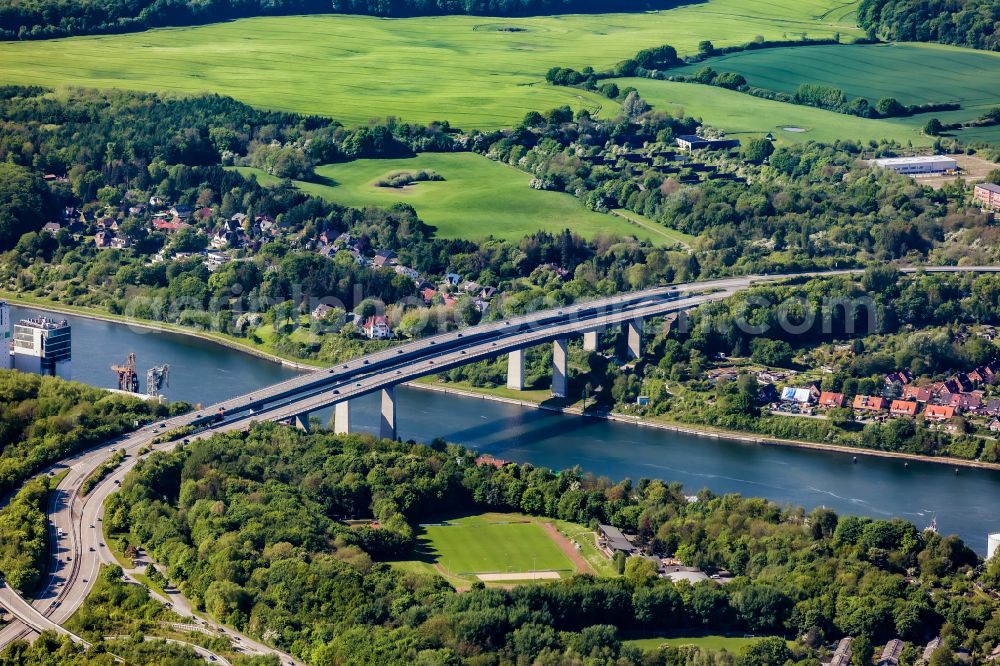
(377,327)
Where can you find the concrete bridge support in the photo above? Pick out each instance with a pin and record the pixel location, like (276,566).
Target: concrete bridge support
(342,418)
(590,340)
(560,369)
(633,334)
(302,422)
(515,370)
(387,421)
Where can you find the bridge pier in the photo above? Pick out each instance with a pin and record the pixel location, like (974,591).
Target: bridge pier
(560,369)
(342,418)
(515,370)
(590,340)
(633,334)
(387,420)
(302,422)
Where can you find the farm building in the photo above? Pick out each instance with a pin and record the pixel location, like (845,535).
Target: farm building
(691,142)
(987,194)
(911,166)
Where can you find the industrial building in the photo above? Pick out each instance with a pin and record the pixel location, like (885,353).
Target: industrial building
(920,164)
(6,358)
(43,346)
(992,544)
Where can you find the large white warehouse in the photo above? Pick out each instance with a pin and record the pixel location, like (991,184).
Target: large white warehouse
(916,165)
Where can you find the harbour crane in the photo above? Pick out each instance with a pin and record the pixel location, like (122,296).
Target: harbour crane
(157,377)
(128,379)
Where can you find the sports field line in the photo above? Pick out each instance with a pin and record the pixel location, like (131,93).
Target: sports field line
(532,575)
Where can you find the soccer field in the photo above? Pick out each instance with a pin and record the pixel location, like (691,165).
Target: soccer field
(477,198)
(472,71)
(493,543)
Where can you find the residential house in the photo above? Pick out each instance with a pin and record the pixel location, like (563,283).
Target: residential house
(842,654)
(966,402)
(121,242)
(870,403)
(102,239)
(182,211)
(267,225)
(487,293)
(215,259)
(891,653)
(377,327)
(453,279)
(917,393)
(469,287)
(929,651)
(939,412)
(767,393)
(899,377)
(904,408)
(830,400)
(428,294)
(407,272)
(995,654)
(321,311)
(156,201)
(51,227)
(487,459)
(169,226)
(993,407)
(611,540)
(384,258)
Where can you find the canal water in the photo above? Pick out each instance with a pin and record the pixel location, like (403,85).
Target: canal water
(966,503)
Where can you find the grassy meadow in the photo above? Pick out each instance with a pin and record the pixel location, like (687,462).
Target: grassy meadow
(731,644)
(745,116)
(464,69)
(912,73)
(477,198)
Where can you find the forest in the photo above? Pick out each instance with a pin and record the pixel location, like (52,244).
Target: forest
(248,526)
(972,23)
(45,19)
(45,419)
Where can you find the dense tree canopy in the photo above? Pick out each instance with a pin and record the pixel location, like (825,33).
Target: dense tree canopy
(248,526)
(974,23)
(42,19)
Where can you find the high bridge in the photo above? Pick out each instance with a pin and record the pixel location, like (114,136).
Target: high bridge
(77,550)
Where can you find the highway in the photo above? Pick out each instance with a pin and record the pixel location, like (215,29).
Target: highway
(79,553)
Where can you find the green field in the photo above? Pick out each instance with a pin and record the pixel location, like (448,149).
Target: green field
(478,198)
(912,73)
(492,543)
(458,68)
(732,644)
(742,114)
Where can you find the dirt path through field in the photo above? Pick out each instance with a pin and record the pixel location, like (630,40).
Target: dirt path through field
(567,547)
